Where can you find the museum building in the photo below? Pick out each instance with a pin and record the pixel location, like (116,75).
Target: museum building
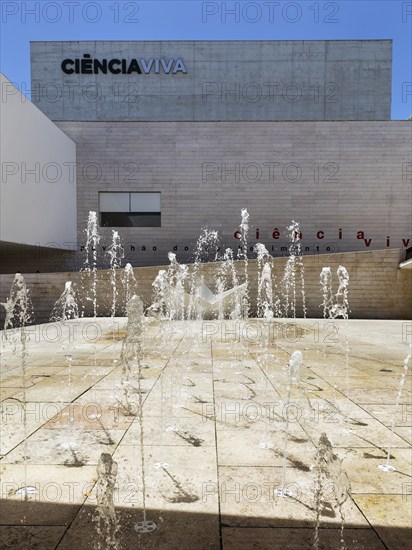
(165,138)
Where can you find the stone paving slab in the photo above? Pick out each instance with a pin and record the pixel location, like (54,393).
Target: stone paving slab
(247,499)
(58,493)
(34,537)
(296,539)
(385,511)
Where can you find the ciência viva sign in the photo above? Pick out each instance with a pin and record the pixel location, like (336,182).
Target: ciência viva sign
(155,65)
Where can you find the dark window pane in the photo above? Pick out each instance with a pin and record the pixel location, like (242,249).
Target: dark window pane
(145,219)
(130,219)
(114,219)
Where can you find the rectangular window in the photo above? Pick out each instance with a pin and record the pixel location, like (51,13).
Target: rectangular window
(130,209)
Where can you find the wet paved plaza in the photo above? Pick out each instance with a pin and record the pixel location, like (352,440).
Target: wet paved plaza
(215,417)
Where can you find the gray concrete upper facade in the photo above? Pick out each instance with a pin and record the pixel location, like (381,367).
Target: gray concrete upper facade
(212,80)
(347,183)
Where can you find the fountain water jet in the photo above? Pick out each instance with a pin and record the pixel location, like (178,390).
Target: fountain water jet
(326,284)
(66,306)
(330,475)
(19,313)
(132,357)
(116,255)
(387,467)
(265,289)
(295,363)
(66,309)
(294,263)
(129,284)
(341,306)
(243,254)
(90,262)
(229,269)
(341,309)
(105,518)
(175,291)
(206,250)
(169,291)
(227,273)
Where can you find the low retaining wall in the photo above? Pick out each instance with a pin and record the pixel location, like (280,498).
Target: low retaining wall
(378,289)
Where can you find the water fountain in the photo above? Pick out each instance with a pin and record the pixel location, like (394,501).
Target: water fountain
(105,519)
(131,359)
(18,306)
(116,255)
(265,288)
(169,300)
(227,278)
(243,255)
(90,261)
(19,314)
(206,249)
(66,306)
(129,284)
(387,467)
(326,284)
(340,308)
(176,277)
(295,363)
(294,274)
(183,298)
(331,481)
(66,309)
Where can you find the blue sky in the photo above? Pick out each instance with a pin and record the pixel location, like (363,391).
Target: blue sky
(23,21)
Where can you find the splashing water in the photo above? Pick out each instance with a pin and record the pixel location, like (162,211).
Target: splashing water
(65,307)
(266,291)
(131,351)
(387,467)
(293,266)
(341,309)
(131,357)
(207,246)
(207,249)
(129,283)
(19,314)
(295,362)
(265,310)
(19,310)
(265,287)
(90,262)
(220,288)
(242,254)
(105,518)
(64,310)
(227,278)
(116,255)
(261,252)
(331,481)
(175,297)
(341,306)
(236,312)
(326,284)
(158,307)
(169,291)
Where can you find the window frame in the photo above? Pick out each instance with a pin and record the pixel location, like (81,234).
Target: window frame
(131,214)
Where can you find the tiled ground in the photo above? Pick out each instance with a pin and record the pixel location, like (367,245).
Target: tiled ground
(214,414)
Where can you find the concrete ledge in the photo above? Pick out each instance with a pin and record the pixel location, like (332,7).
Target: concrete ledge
(406,265)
